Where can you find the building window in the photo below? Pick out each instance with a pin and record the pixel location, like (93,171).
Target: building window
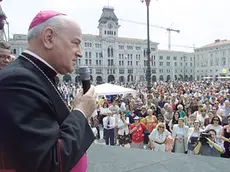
(138,48)
(121,47)
(110,52)
(161,63)
(86,54)
(88,44)
(14,51)
(161,57)
(98,71)
(153,49)
(168,63)
(175,63)
(114,33)
(90,54)
(79,61)
(97,45)
(168,57)
(121,71)
(130,47)
(175,58)
(223,61)
(130,71)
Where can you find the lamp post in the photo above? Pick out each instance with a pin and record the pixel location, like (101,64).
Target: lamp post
(148,71)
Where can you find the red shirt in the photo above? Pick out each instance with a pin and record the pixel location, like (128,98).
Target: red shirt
(138,135)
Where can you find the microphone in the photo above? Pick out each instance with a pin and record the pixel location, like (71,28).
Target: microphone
(85,78)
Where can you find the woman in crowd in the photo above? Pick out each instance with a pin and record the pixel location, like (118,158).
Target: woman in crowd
(181,111)
(226,139)
(123,131)
(216,125)
(174,120)
(158,138)
(136,130)
(208,120)
(180,135)
(151,120)
(193,135)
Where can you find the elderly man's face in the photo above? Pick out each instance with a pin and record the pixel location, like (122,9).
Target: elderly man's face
(5,57)
(66,48)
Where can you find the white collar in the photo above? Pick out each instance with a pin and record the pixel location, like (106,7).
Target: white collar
(39,58)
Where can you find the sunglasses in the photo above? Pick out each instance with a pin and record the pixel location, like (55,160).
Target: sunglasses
(161,127)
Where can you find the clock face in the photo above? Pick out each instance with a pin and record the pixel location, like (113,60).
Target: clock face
(110,26)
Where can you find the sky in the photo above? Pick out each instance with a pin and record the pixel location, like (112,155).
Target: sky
(200,21)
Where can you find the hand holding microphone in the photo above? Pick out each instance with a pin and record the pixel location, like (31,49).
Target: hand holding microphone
(85,100)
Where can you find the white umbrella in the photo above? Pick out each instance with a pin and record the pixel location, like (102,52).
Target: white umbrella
(111,89)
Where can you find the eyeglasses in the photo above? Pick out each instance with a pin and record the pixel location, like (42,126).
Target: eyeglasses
(161,127)
(216,120)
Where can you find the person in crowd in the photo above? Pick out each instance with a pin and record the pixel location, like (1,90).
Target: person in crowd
(151,120)
(36,124)
(109,125)
(226,112)
(136,130)
(127,111)
(193,136)
(132,116)
(123,131)
(226,139)
(5,56)
(189,120)
(201,116)
(210,147)
(174,120)
(180,135)
(181,111)
(143,112)
(158,138)
(217,126)
(208,119)
(168,116)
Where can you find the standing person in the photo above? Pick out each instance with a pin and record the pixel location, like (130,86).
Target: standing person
(5,56)
(38,132)
(109,124)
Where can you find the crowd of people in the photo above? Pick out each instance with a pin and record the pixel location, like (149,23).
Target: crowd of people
(181,117)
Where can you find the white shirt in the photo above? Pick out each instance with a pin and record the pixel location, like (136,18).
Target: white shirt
(122,129)
(39,58)
(111,120)
(156,136)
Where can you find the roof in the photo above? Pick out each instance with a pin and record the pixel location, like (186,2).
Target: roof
(119,39)
(168,51)
(108,15)
(217,43)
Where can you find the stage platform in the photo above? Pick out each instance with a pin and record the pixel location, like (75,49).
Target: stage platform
(103,158)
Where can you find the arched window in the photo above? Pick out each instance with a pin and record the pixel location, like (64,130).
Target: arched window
(111,52)
(108,51)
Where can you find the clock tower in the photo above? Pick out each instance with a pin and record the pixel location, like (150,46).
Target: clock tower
(108,23)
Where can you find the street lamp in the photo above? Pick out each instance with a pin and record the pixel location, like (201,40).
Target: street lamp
(148,71)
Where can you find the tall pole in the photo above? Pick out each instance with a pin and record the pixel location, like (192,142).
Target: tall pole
(148,71)
(169,37)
